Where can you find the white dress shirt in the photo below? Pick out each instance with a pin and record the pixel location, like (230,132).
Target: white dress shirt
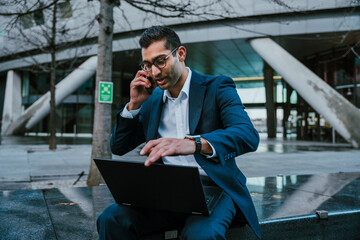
(174,123)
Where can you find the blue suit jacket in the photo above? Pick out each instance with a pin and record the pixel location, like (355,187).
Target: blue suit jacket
(217,114)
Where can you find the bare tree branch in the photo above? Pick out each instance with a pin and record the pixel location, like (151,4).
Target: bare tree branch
(29,10)
(282,4)
(173,10)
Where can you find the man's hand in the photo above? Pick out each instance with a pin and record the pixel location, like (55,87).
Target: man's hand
(162,147)
(138,92)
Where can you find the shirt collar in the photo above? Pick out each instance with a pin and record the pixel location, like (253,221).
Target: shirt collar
(185,89)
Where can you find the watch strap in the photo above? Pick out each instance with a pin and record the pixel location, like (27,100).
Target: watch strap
(197,140)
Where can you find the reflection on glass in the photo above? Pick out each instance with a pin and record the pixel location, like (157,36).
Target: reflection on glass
(288,196)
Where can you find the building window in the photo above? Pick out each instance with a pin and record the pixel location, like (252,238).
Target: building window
(65,9)
(26,21)
(39,18)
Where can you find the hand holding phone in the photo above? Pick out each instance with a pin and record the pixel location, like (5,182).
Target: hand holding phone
(141,88)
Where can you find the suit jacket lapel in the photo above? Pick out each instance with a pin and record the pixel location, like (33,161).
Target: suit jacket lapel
(196,100)
(157,104)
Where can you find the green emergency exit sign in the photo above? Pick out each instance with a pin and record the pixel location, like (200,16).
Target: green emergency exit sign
(106,92)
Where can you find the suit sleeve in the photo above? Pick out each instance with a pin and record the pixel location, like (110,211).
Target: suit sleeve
(237,135)
(127,134)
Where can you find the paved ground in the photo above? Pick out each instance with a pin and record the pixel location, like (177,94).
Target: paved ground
(35,167)
(69,209)
(27,163)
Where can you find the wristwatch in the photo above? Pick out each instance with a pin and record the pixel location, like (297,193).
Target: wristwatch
(197,140)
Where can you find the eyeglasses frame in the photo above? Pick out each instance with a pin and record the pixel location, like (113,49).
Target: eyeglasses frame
(153,63)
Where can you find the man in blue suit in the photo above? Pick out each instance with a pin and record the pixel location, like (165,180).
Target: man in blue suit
(188,119)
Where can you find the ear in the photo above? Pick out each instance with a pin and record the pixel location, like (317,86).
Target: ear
(181,53)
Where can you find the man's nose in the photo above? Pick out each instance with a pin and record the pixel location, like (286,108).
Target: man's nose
(155,70)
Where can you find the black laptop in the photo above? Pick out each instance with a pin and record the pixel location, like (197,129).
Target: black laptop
(159,186)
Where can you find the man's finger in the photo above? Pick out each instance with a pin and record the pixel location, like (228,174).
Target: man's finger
(168,152)
(139,82)
(141,73)
(158,148)
(155,152)
(146,149)
(155,155)
(151,160)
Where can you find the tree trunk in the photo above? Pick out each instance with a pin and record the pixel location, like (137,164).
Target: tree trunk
(102,113)
(52,140)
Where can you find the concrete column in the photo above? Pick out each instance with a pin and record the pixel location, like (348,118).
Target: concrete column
(286,108)
(12,100)
(337,110)
(270,103)
(39,109)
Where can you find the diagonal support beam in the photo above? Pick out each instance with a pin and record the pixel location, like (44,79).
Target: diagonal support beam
(336,109)
(39,109)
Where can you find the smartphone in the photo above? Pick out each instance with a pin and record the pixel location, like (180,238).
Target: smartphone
(151,88)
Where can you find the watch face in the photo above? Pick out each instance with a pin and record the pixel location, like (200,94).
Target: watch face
(192,136)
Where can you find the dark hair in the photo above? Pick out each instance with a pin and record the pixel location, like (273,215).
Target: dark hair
(159,33)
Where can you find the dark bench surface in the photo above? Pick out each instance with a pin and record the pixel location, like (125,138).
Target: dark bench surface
(284,204)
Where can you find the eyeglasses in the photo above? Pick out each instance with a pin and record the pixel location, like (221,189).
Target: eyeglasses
(158,62)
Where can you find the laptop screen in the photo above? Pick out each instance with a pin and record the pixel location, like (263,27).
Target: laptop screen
(159,186)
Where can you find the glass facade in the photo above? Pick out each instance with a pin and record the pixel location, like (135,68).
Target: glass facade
(74,115)
(252,94)
(295,117)
(340,69)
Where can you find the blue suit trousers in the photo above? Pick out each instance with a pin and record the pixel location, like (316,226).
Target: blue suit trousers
(123,222)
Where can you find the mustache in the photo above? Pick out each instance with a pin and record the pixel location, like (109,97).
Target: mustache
(159,77)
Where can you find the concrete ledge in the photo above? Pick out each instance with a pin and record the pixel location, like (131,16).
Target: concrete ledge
(338,225)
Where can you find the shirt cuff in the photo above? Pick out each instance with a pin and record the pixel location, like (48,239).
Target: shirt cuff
(213,149)
(129,114)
